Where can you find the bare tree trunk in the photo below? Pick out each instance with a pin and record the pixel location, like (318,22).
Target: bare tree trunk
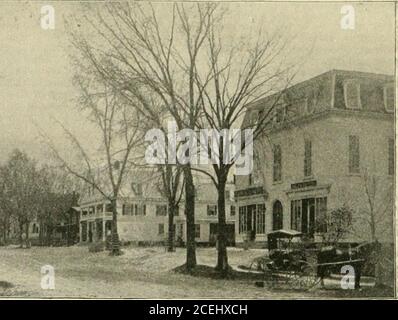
(6,227)
(41,233)
(222,257)
(27,241)
(3,233)
(372,226)
(115,249)
(49,231)
(172,211)
(190,216)
(21,234)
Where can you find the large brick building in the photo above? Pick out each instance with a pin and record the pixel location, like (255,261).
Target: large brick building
(329,142)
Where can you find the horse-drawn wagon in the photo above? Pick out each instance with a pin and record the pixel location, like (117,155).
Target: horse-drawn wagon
(296,261)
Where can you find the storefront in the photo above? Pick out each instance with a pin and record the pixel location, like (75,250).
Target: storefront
(252,220)
(308,207)
(251,224)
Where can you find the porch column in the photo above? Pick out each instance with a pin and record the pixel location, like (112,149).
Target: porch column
(103,229)
(80,232)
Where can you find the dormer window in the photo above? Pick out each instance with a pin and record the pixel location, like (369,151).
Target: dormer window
(253,118)
(310,101)
(137,188)
(279,114)
(352,95)
(261,115)
(302,106)
(389,98)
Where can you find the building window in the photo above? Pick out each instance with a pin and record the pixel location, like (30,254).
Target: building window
(227,195)
(279,114)
(301,107)
(197,230)
(260,219)
(211,210)
(321,214)
(100,208)
(232,212)
(307,158)
(180,231)
(137,188)
(253,118)
(353,154)
(140,209)
(242,219)
(389,98)
(161,210)
(250,179)
(108,207)
(35,228)
(176,210)
(311,101)
(309,215)
(277,165)
(295,219)
(391,156)
(84,230)
(252,219)
(352,95)
(161,229)
(128,209)
(277,215)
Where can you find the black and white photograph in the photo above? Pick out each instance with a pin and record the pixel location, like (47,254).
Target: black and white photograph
(197,150)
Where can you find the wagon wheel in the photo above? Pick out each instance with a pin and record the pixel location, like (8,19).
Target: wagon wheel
(292,279)
(262,265)
(308,276)
(271,279)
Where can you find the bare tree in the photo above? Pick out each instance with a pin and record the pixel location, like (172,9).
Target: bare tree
(335,224)
(58,195)
(140,53)
(119,133)
(379,197)
(234,79)
(171,187)
(22,188)
(6,209)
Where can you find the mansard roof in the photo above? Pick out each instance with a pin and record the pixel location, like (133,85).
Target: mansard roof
(324,92)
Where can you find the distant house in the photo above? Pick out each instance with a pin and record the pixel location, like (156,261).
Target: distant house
(325,139)
(143,214)
(60,228)
(67,231)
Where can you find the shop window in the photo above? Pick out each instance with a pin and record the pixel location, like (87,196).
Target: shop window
(197,230)
(260,219)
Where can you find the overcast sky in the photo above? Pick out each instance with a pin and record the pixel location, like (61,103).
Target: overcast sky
(35,76)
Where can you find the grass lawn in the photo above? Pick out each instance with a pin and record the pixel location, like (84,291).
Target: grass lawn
(139,273)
